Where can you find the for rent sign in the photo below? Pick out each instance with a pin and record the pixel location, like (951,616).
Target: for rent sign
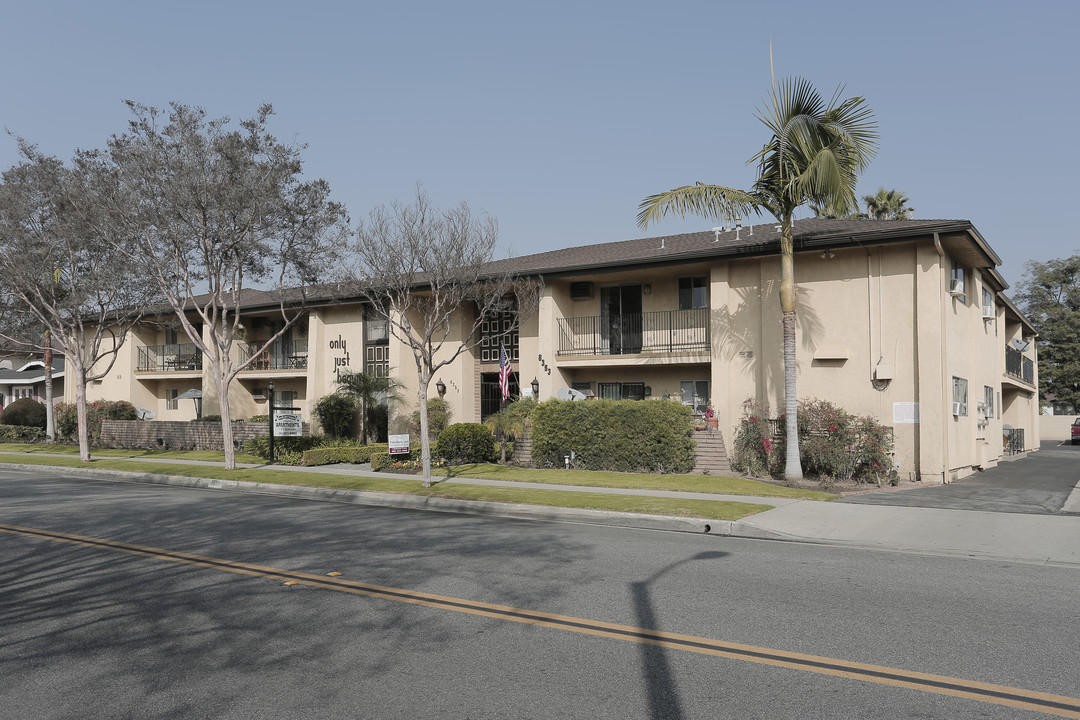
(288,425)
(399,444)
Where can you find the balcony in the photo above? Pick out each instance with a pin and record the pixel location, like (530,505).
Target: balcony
(184,357)
(279,356)
(1019,367)
(667,331)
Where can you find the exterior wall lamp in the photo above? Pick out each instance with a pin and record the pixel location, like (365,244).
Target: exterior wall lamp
(441,387)
(535,388)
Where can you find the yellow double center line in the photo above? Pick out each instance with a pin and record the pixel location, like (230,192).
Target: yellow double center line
(997,694)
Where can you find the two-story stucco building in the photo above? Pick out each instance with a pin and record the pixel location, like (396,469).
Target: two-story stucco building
(904,320)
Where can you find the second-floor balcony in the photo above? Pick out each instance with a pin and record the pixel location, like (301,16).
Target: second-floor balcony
(182,357)
(279,356)
(1018,366)
(667,331)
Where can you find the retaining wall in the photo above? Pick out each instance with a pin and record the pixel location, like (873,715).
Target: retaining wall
(158,434)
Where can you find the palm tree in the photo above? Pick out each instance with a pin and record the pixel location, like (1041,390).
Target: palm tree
(370,391)
(814,156)
(510,422)
(888,205)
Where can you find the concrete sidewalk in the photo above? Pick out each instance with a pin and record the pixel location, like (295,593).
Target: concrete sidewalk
(1040,539)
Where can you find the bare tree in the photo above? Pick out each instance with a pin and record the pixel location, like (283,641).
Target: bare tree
(64,286)
(215,208)
(430,274)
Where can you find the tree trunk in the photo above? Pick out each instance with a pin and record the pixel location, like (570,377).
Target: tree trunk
(425,441)
(793,462)
(50,413)
(80,410)
(226,421)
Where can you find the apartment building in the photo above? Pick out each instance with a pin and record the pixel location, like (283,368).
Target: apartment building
(904,320)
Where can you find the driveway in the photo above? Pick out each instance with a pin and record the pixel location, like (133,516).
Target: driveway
(1038,484)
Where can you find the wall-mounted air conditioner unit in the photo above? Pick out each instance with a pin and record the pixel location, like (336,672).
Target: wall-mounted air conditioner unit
(581,291)
(957,408)
(988,312)
(956,287)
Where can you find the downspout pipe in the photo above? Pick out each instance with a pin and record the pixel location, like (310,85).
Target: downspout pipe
(946,396)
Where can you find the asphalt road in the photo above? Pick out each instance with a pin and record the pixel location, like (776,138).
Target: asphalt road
(123,631)
(1039,483)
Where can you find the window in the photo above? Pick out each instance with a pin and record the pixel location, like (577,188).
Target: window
(988,400)
(957,285)
(693,293)
(171,401)
(695,393)
(499,329)
(622,391)
(987,304)
(376,343)
(172,337)
(284,398)
(959,396)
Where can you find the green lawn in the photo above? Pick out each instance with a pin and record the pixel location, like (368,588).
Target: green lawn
(719,484)
(404,484)
(58,449)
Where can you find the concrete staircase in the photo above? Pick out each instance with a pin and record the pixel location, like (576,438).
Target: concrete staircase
(711,455)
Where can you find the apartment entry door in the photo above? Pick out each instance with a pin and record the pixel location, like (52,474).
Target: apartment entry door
(620,319)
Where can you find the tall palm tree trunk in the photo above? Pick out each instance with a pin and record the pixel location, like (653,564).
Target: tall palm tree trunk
(793,461)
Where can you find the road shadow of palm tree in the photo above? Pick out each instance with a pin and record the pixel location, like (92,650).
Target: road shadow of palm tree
(662,689)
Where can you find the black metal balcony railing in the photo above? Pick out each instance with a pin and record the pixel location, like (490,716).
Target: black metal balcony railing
(279,356)
(667,331)
(1019,366)
(169,358)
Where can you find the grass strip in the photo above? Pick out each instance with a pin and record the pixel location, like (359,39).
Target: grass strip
(59,449)
(709,509)
(719,484)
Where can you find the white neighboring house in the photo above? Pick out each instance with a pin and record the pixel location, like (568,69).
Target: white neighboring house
(26,378)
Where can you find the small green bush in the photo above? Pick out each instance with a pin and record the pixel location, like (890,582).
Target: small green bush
(259,418)
(619,435)
(67,417)
(438,418)
(24,411)
(465,443)
(260,446)
(337,414)
(21,434)
(208,418)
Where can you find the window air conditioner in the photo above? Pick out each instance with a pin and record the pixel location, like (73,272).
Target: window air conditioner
(956,287)
(957,408)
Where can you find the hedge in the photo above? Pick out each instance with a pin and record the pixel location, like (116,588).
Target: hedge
(21,434)
(465,443)
(260,446)
(67,417)
(24,412)
(338,454)
(618,435)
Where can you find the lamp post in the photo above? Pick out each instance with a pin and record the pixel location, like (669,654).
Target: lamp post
(536,388)
(270,415)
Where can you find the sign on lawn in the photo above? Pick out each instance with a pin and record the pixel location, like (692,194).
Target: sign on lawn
(288,425)
(399,444)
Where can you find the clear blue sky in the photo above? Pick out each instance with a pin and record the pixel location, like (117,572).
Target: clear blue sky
(559,117)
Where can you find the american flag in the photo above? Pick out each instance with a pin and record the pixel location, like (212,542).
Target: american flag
(504,372)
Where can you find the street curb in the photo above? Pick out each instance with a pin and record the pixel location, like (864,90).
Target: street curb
(517,511)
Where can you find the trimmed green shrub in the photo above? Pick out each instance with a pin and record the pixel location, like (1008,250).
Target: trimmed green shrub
(21,434)
(342,454)
(337,414)
(259,418)
(260,446)
(465,443)
(67,417)
(24,411)
(619,435)
(211,418)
